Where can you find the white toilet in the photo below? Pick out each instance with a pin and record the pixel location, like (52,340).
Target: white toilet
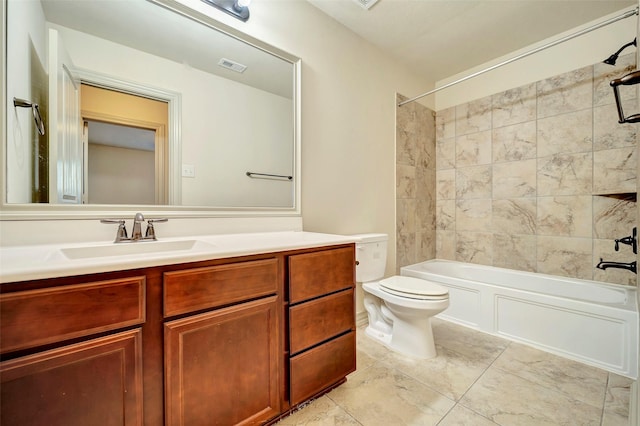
(399,308)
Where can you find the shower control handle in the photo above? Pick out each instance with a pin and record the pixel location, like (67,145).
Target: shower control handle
(631,240)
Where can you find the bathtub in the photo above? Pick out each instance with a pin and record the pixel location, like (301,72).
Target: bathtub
(588,321)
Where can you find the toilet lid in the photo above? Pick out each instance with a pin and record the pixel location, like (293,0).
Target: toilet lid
(414,288)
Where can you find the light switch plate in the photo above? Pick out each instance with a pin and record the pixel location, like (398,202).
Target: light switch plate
(188,170)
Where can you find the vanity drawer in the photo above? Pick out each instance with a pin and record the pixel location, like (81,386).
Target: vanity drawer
(202,288)
(320,367)
(320,319)
(39,317)
(318,273)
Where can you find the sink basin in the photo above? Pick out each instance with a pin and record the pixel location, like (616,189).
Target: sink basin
(123,249)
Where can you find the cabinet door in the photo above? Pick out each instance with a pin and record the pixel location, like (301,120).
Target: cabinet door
(222,367)
(98,382)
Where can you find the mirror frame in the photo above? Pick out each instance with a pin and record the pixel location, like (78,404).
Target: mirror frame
(43,211)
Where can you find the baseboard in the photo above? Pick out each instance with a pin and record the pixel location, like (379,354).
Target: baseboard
(361,319)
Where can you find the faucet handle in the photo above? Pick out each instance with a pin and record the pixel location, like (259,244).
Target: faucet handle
(121,234)
(151,232)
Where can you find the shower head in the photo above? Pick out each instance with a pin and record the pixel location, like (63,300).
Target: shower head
(611,60)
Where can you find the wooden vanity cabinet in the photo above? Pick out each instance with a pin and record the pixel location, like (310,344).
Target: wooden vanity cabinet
(223,366)
(321,314)
(80,376)
(226,341)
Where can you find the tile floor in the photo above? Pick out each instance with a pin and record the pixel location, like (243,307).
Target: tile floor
(476,380)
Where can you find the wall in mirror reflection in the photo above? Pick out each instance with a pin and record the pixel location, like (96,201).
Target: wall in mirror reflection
(226,128)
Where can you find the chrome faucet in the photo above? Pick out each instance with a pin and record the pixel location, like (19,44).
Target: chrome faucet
(620,265)
(136,232)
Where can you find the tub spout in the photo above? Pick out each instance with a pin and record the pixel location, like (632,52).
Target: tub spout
(621,265)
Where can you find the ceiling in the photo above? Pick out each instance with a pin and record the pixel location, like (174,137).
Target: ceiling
(440,38)
(145,26)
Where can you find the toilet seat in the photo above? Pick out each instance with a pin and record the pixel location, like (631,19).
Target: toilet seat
(413,288)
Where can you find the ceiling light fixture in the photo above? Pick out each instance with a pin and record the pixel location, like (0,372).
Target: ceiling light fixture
(236,8)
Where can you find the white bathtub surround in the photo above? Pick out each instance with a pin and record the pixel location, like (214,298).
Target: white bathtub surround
(527,178)
(592,322)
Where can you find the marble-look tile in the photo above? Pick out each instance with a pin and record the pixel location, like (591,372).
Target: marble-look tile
(565,174)
(446,215)
(614,170)
(426,245)
(446,153)
(566,92)
(369,349)
(449,373)
(604,73)
(405,181)
(565,256)
(484,348)
(515,252)
(406,134)
(517,142)
(473,149)
(616,404)
(461,416)
(473,182)
(405,249)
(511,400)
(446,184)
(382,396)
(425,181)
(319,412)
(573,379)
(565,133)
(567,216)
(473,215)
(446,123)
(613,217)
(426,142)
(474,247)
(474,116)
(514,106)
(607,132)
(605,249)
(405,215)
(514,179)
(514,216)
(446,245)
(425,215)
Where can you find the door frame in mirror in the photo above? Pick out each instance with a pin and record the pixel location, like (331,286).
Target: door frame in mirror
(174,101)
(66,212)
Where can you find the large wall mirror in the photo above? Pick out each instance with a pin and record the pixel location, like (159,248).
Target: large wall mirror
(144,103)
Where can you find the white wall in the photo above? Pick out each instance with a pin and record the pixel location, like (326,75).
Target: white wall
(582,51)
(348,116)
(25,32)
(121,175)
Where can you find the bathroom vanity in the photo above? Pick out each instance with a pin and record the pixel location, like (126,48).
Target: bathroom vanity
(232,339)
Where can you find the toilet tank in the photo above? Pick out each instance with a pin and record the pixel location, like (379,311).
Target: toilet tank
(371,257)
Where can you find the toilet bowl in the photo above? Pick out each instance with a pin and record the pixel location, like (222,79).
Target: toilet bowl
(399,308)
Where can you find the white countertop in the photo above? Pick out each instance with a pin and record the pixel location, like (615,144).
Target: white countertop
(22,263)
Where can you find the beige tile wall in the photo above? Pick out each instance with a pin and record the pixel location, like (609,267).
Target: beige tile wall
(530,178)
(415,183)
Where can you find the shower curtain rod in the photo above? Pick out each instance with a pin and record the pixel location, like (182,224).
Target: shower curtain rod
(524,55)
